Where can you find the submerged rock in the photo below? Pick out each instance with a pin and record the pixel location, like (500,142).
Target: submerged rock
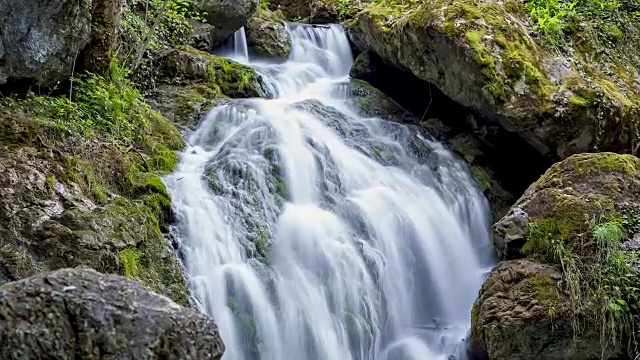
(267,35)
(226,16)
(82,314)
(40,40)
(576,285)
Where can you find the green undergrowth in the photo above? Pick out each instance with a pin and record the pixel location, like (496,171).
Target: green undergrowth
(106,140)
(600,276)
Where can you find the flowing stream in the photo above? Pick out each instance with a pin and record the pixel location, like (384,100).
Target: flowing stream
(310,232)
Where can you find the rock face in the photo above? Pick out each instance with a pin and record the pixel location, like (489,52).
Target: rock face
(484,55)
(521,314)
(202,37)
(266,34)
(226,16)
(575,226)
(69,201)
(82,314)
(40,39)
(311,11)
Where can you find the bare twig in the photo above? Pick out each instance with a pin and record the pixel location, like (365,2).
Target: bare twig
(149,36)
(428,106)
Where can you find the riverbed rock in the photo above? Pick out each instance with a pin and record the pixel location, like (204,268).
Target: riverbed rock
(267,35)
(226,16)
(575,228)
(40,40)
(83,314)
(488,56)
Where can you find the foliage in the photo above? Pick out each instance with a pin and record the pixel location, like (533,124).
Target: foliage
(603,283)
(129,259)
(173,27)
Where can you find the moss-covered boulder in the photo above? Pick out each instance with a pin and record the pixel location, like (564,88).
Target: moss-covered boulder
(575,91)
(80,185)
(189,82)
(311,11)
(576,226)
(267,35)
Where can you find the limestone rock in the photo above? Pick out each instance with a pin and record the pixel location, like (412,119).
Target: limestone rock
(41,39)
(202,37)
(82,314)
(226,16)
(267,35)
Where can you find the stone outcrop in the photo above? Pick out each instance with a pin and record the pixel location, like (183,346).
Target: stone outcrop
(573,293)
(82,314)
(267,35)
(41,39)
(226,16)
(486,57)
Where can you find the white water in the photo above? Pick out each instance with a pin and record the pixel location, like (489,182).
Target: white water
(311,233)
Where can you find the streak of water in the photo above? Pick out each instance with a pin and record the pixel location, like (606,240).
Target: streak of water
(312,233)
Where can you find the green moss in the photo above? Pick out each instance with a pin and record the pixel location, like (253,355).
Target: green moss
(482,177)
(129,259)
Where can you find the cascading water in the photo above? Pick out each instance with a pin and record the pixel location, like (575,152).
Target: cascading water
(312,233)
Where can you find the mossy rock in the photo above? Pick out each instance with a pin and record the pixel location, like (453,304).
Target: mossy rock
(82,187)
(522,313)
(486,56)
(575,222)
(567,199)
(267,35)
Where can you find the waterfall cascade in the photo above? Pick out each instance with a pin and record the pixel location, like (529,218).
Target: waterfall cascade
(312,233)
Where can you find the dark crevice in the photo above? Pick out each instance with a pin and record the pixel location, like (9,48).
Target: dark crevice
(514,163)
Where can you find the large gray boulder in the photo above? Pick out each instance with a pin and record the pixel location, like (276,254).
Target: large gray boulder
(226,16)
(83,314)
(267,35)
(40,39)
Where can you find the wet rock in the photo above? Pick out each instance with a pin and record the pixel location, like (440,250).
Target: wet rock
(266,34)
(40,40)
(226,16)
(82,314)
(509,234)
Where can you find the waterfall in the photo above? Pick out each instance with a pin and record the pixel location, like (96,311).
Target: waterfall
(309,232)
(240,48)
